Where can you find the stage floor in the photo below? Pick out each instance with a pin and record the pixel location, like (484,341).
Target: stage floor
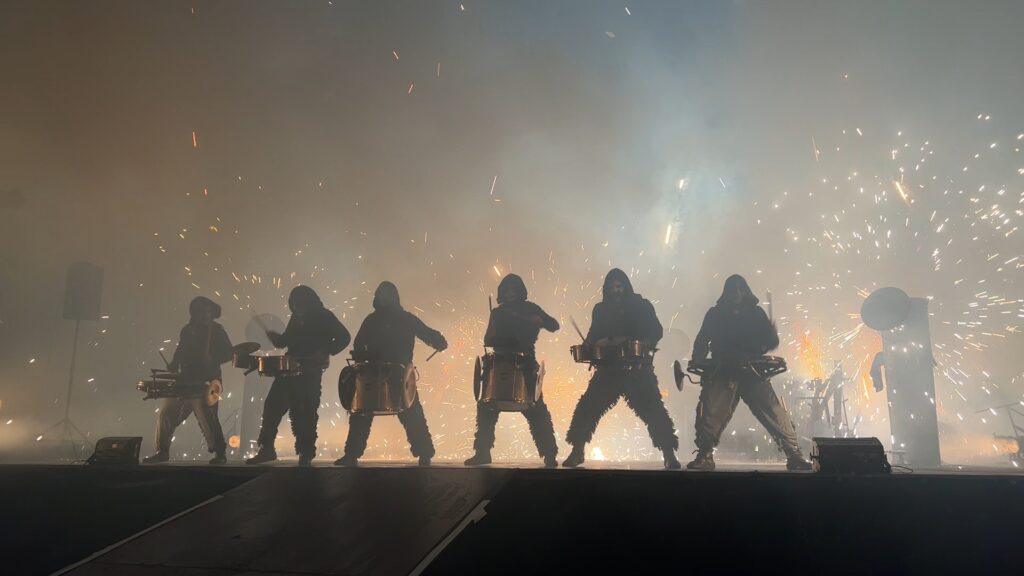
(398,518)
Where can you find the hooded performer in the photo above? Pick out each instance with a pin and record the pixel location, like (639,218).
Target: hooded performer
(203,346)
(312,336)
(512,329)
(388,335)
(622,316)
(735,331)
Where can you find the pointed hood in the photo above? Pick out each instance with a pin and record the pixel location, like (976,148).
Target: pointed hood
(616,274)
(304,295)
(386,297)
(200,302)
(732,283)
(512,281)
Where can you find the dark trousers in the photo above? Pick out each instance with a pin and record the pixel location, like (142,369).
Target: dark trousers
(640,387)
(537,416)
(413,420)
(175,411)
(299,395)
(718,400)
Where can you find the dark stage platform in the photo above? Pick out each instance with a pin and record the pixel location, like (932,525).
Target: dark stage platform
(392,519)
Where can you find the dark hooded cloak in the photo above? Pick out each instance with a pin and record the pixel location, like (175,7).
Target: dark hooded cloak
(318,332)
(735,331)
(201,348)
(632,317)
(514,325)
(389,333)
(198,303)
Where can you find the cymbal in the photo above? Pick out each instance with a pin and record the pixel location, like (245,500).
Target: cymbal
(214,391)
(245,348)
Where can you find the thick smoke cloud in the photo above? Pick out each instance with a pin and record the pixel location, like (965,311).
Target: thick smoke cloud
(440,145)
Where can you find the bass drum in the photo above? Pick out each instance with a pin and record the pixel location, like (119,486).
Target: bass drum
(377,388)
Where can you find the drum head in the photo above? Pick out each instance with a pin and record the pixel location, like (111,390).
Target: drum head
(539,391)
(478,379)
(885,309)
(347,387)
(245,348)
(214,390)
(409,391)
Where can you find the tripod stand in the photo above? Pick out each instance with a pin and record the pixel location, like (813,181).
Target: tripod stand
(67,426)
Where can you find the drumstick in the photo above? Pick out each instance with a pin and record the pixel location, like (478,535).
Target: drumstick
(164,358)
(432,355)
(573,320)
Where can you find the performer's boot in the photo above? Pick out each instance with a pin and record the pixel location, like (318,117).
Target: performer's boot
(479,459)
(424,461)
(705,461)
(219,458)
(305,460)
(550,461)
(160,456)
(263,456)
(671,462)
(347,460)
(795,462)
(575,457)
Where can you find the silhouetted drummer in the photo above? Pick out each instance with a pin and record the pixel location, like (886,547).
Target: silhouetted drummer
(512,329)
(312,336)
(735,331)
(389,334)
(203,346)
(622,316)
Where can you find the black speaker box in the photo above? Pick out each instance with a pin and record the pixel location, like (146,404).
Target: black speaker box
(849,456)
(83,291)
(116,451)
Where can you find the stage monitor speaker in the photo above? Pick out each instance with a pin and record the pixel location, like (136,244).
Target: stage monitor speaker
(116,451)
(83,291)
(849,456)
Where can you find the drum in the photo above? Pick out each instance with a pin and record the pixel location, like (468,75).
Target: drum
(277,365)
(585,353)
(701,368)
(377,388)
(768,366)
(166,384)
(594,354)
(504,383)
(763,367)
(629,353)
(637,351)
(246,362)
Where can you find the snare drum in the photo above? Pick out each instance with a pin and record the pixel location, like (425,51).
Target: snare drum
(594,354)
(277,365)
(377,388)
(165,384)
(763,367)
(508,382)
(246,362)
(585,353)
(768,366)
(637,351)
